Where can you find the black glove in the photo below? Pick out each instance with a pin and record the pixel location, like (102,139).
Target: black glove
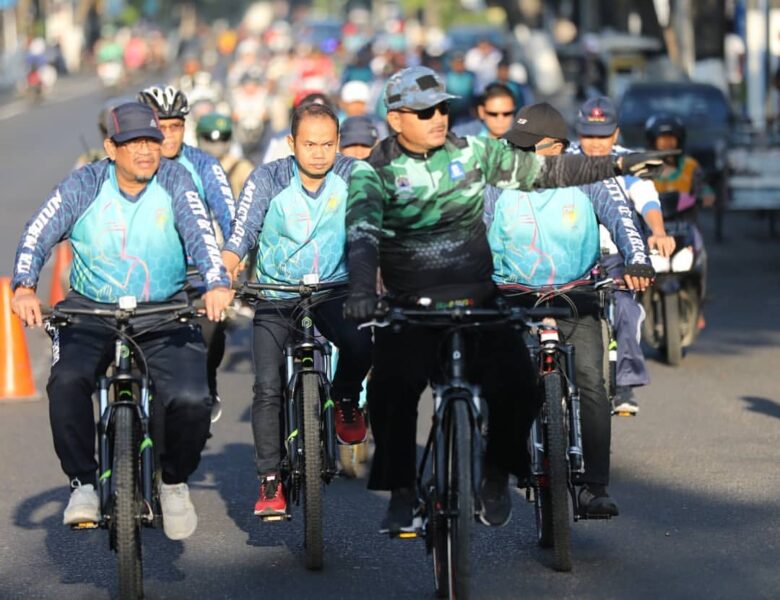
(640,270)
(644,164)
(360,306)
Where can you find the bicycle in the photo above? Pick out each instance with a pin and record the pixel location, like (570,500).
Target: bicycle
(309,419)
(450,497)
(556,436)
(127,471)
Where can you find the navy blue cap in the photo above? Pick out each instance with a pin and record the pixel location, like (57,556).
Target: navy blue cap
(597,117)
(358,131)
(131,121)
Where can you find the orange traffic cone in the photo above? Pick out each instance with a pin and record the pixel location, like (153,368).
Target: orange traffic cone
(16,378)
(62,259)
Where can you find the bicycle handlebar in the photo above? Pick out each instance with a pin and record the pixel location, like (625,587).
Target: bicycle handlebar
(182,310)
(304,289)
(385,316)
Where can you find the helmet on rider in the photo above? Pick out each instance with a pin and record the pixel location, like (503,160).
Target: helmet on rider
(214,127)
(168,102)
(664,124)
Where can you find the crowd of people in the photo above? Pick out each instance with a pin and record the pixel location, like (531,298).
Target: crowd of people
(408,182)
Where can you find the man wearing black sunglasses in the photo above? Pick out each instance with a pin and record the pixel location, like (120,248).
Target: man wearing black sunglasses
(416,207)
(497,110)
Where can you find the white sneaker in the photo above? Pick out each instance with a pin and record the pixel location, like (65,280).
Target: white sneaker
(179,517)
(83,506)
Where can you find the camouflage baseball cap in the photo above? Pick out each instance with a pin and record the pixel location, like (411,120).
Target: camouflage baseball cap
(416,88)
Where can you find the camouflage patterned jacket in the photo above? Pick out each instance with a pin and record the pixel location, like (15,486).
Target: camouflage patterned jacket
(420,216)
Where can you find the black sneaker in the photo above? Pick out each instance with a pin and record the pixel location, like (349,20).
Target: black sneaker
(624,403)
(496,501)
(400,513)
(594,501)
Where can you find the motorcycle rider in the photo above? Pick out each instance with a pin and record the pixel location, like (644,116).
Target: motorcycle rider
(682,182)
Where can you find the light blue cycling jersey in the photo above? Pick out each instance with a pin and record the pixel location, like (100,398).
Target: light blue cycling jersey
(551,237)
(543,238)
(127,248)
(123,246)
(296,232)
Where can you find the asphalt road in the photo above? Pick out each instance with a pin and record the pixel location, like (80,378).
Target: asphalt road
(695,473)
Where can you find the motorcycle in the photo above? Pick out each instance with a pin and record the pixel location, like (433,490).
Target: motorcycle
(673,304)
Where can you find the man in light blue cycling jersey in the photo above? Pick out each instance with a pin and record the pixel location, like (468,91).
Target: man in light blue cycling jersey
(293,210)
(546,239)
(132,220)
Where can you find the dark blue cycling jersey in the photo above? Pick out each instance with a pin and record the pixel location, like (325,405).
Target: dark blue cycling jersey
(212,183)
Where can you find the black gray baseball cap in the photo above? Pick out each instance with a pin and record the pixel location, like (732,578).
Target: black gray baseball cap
(536,122)
(416,88)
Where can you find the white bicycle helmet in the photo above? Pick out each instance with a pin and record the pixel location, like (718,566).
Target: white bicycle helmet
(168,102)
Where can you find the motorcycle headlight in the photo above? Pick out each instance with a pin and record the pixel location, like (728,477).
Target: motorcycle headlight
(661,264)
(682,261)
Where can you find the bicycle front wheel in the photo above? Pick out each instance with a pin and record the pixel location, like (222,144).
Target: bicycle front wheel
(452,541)
(127,502)
(312,470)
(556,450)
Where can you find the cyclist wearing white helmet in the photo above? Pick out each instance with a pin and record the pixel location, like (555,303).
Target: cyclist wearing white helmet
(172,108)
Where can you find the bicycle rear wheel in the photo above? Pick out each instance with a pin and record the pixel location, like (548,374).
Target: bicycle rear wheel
(312,470)
(452,532)
(127,502)
(557,527)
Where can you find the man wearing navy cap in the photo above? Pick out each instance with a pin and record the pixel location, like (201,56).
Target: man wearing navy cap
(358,137)
(415,207)
(597,127)
(132,219)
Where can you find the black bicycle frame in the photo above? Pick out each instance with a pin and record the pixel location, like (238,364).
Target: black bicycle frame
(552,354)
(124,383)
(300,358)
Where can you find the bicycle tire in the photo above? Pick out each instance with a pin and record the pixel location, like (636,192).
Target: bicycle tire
(672,329)
(452,571)
(127,501)
(312,470)
(557,447)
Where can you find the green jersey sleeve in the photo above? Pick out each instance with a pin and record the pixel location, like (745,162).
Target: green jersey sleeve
(365,208)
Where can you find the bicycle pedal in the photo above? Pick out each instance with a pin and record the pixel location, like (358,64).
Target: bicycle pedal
(404,535)
(85,525)
(274,518)
(623,413)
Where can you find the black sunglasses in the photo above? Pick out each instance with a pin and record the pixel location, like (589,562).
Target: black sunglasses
(501,114)
(427,113)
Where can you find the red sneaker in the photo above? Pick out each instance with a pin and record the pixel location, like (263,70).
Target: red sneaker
(350,423)
(271,502)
